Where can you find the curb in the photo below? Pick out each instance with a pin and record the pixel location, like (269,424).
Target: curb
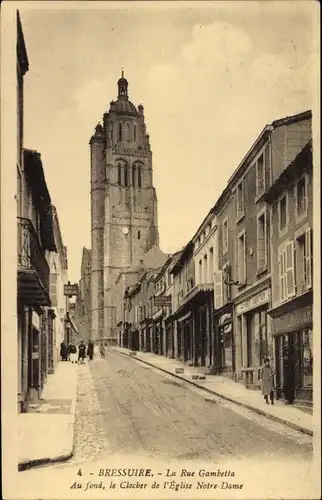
(66,455)
(227,398)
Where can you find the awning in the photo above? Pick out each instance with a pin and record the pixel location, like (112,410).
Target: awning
(157,315)
(185,316)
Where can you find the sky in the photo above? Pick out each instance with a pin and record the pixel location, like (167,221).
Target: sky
(210,77)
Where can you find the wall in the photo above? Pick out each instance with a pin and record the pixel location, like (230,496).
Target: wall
(287,142)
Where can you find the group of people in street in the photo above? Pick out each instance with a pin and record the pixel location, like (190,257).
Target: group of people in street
(267,381)
(69,352)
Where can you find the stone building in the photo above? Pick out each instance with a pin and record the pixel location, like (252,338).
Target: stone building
(124,223)
(83,300)
(41,261)
(290,198)
(248,242)
(57,312)
(126,286)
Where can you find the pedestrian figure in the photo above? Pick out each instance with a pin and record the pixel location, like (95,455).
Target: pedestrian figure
(102,351)
(81,352)
(90,349)
(267,377)
(63,351)
(289,380)
(72,353)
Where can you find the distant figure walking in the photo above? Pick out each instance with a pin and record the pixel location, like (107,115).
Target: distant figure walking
(90,349)
(81,352)
(72,353)
(63,351)
(267,377)
(102,351)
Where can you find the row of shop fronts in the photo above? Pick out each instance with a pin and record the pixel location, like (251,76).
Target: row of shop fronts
(234,341)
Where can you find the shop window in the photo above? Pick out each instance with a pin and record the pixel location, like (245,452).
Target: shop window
(240,200)
(304,261)
(306,359)
(261,242)
(282,213)
(225,236)
(286,271)
(301,197)
(241,257)
(260,176)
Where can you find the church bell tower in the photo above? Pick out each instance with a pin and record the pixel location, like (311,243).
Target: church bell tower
(123,204)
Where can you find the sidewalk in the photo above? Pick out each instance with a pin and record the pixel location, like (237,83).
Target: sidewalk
(46,432)
(227,389)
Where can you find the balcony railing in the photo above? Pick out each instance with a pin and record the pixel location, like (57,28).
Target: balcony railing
(33,269)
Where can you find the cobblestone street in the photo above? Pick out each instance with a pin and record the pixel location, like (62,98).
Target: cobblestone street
(127,408)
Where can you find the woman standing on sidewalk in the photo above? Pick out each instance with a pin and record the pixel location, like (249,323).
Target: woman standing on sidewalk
(267,377)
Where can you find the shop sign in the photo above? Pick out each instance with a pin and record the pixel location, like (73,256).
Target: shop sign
(70,290)
(162,301)
(256,301)
(35,320)
(293,320)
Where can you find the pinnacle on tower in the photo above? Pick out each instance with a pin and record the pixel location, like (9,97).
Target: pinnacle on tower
(122,86)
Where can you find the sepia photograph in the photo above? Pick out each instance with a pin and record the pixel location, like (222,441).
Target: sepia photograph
(160,243)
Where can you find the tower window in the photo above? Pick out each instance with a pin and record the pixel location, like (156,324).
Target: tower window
(126,175)
(120,131)
(119,175)
(139,177)
(139,235)
(134,132)
(133,175)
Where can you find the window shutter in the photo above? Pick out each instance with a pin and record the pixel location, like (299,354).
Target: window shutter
(281,275)
(307,257)
(218,282)
(290,282)
(53,289)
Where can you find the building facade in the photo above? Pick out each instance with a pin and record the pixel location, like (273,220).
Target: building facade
(57,312)
(123,204)
(83,300)
(41,262)
(290,198)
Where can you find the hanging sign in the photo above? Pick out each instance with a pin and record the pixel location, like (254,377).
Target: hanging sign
(70,290)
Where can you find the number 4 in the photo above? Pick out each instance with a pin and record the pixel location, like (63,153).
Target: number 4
(79,473)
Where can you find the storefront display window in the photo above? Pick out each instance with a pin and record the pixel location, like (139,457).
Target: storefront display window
(257,342)
(307,358)
(225,329)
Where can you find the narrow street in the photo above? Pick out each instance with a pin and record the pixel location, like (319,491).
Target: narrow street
(132,415)
(129,409)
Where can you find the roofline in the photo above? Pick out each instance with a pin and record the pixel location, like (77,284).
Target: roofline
(287,120)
